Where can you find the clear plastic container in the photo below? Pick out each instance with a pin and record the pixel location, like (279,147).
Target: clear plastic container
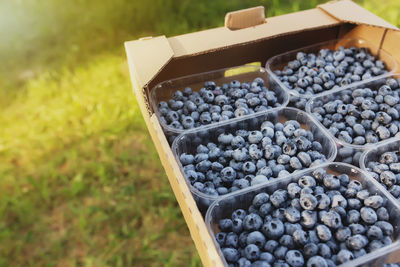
(247,73)
(375,152)
(278,62)
(188,141)
(224,207)
(347,153)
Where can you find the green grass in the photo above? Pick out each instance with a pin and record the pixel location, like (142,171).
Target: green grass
(81,183)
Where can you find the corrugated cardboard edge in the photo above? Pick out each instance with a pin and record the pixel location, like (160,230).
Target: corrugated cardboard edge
(159,53)
(245,18)
(348,11)
(192,215)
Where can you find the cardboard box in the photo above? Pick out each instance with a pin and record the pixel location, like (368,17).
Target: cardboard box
(247,37)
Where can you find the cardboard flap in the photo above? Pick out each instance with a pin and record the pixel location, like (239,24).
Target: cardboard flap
(219,38)
(348,11)
(245,18)
(148,56)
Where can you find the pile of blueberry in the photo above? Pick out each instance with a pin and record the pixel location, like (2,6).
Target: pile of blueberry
(362,115)
(319,221)
(251,157)
(311,74)
(387,172)
(214,103)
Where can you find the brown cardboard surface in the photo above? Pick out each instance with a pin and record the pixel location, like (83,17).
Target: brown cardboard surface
(218,38)
(148,56)
(245,18)
(258,51)
(348,11)
(391,43)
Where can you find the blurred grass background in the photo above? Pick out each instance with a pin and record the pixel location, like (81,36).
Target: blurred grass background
(80,181)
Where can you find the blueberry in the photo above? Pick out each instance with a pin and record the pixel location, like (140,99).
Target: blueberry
(271,245)
(339,200)
(388,178)
(383,214)
(294,258)
(357,242)
(191,176)
(331,182)
(332,219)
(300,237)
(308,201)
(356,185)
(324,250)
(186,159)
(342,234)
(292,214)
(252,252)
(353,216)
(374,245)
(260,263)
(386,227)
(310,250)
(307,181)
(280,252)
(374,201)
(255,137)
(252,222)
(344,256)
(374,232)
(323,201)
(231,240)
(231,254)
(237,225)
(291,227)
(368,215)
(317,261)
(308,218)
(228,174)
(268,257)
(256,238)
(278,197)
(357,228)
(289,148)
(273,229)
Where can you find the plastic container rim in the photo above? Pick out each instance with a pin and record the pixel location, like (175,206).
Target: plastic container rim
(179,131)
(196,192)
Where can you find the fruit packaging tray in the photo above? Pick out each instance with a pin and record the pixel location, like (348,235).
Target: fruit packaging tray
(224,207)
(164,91)
(278,62)
(188,141)
(347,152)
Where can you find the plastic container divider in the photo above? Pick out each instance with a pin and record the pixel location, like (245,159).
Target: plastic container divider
(246,73)
(278,62)
(347,153)
(188,141)
(224,207)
